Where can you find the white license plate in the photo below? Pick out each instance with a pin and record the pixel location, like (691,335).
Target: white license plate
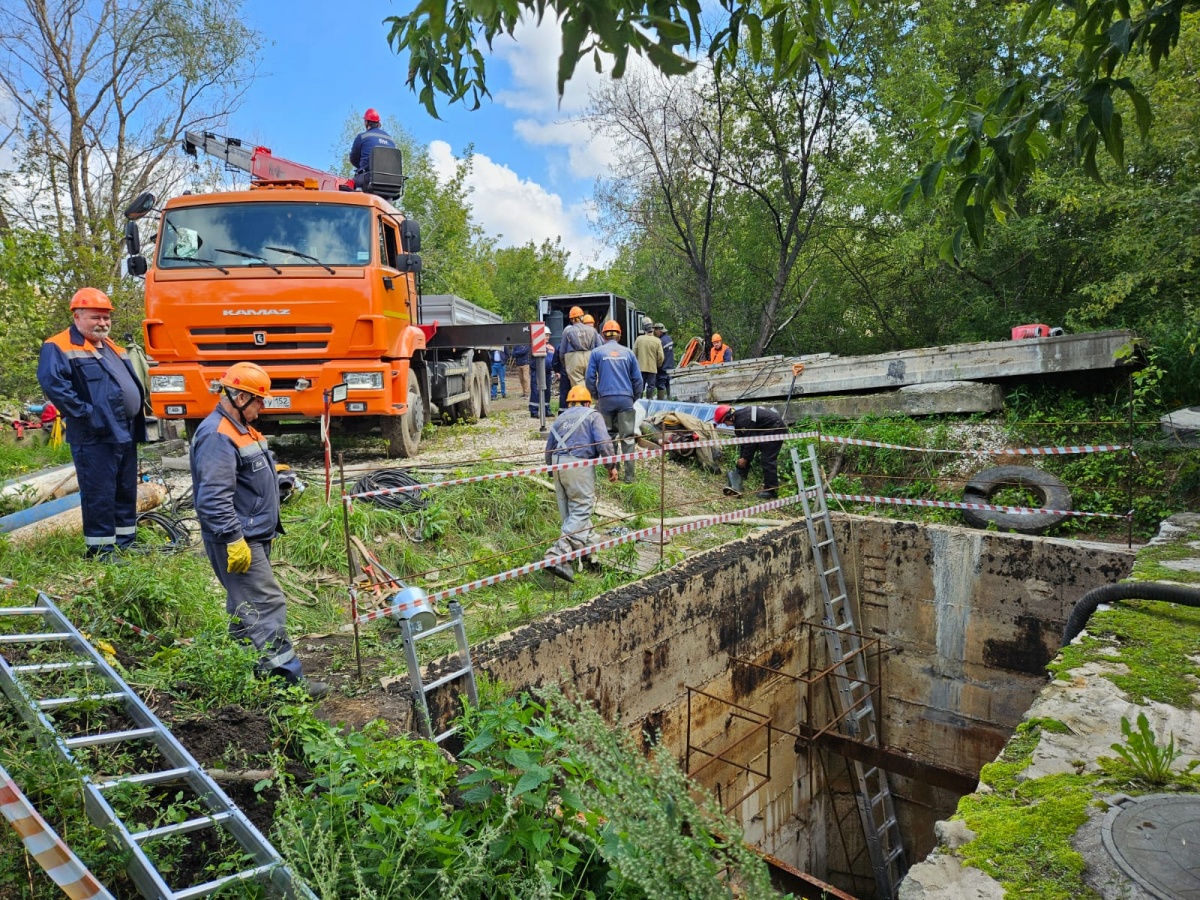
(277,403)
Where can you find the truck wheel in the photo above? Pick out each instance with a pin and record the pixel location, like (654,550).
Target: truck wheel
(483,378)
(1050,491)
(403,433)
(477,388)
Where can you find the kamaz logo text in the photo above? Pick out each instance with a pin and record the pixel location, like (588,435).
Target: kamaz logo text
(256,312)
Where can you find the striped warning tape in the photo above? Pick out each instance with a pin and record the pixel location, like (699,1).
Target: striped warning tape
(1010,451)
(578,464)
(949,504)
(44,845)
(717,519)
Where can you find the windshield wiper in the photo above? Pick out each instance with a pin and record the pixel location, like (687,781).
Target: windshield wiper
(245,255)
(290,252)
(199,262)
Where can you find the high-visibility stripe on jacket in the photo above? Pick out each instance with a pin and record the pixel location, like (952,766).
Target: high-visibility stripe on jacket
(233,477)
(77,380)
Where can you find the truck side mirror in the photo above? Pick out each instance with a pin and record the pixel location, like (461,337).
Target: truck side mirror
(133,239)
(136,266)
(408,262)
(142,204)
(410,234)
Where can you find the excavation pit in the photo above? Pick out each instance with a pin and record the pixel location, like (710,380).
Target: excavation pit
(722,659)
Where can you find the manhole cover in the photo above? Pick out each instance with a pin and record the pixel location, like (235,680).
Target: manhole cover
(1156,842)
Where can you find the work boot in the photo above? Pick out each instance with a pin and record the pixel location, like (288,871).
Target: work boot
(563,572)
(629,472)
(662,394)
(733,486)
(591,564)
(316,689)
(766,495)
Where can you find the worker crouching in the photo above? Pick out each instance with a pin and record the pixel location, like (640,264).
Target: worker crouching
(753,421)
(237,504)
(578,433)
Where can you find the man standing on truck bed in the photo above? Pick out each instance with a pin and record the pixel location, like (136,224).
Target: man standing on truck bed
(578,433)
(578,341)
(360,151)
(91,381)
(613,377)
(237,504)
(649,352)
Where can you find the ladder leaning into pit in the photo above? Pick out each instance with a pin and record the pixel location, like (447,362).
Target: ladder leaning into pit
(856,708)
(56,651)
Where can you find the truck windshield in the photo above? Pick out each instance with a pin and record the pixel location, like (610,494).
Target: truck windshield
(238,235)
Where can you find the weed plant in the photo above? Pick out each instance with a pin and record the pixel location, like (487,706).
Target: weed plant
(1145,758)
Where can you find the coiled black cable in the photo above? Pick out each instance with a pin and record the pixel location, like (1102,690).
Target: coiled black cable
(179,537)
(385,479)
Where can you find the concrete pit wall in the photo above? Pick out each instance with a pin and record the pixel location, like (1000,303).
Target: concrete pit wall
(967,620)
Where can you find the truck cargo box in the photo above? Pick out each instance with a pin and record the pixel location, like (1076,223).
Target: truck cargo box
(448,309)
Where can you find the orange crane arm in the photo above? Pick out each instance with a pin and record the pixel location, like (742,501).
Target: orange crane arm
(260,162)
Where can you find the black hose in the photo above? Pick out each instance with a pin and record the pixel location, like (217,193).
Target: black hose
(384,479)
(1086,605)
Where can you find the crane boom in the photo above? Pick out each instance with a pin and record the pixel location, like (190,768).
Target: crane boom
(260,162)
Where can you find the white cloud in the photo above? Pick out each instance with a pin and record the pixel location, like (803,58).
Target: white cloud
(516,210)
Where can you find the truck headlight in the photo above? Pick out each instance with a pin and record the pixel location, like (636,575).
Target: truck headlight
(167,384)
(363,381)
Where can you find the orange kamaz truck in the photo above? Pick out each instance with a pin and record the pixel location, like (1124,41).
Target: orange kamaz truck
(318,283)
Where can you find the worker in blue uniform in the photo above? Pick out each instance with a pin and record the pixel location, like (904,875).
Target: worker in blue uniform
(360,151)
(237,504)
(91,381)
(614,378)
(663,385)
(578,433)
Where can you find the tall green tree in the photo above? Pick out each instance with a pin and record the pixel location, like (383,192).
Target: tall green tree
(519,275)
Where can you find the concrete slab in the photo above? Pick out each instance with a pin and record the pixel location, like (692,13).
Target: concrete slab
(934,399)
(1183,425)
(771,378)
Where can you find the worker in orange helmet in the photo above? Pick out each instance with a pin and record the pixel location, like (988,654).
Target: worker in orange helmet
(360,152)
(92,383)
(720,352)
(579,432)
(578,340)
(614,378)
(237,504)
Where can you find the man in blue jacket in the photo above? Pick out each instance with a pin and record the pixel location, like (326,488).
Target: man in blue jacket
(91,381)
(360,151)
(614,378)
(237,504)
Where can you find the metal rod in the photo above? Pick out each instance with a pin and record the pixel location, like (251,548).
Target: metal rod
(1129,471)
(662,506)
(350,567)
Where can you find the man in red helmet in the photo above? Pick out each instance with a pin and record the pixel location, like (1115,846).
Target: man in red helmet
(360,152)
(91,381)
(237,505)
(753,421)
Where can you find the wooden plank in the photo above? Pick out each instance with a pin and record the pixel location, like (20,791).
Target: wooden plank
(990,361)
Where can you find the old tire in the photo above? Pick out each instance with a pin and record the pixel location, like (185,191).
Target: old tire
(403,433)
(483,378)
(1050,491)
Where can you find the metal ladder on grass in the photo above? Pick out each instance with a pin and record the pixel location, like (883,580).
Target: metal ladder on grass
(466,670)
(57,632)
(856,708)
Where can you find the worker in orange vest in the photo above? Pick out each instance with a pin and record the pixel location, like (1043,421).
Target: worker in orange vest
(720,352)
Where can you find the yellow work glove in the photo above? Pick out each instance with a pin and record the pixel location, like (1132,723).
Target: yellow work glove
(238,554)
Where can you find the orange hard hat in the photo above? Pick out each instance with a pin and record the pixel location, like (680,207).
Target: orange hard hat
(721,413)
(248,377)
(610,326)
(91,298)
(575,313)
(716,338)
(579,394)
(371,115)
(589,319)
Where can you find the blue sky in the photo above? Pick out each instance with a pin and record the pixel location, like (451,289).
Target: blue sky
(535,163)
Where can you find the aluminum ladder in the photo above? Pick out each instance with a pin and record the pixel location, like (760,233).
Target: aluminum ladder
(856,708)
(466,669)
(62,638)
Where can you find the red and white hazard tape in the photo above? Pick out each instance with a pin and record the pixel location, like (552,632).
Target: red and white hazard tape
(949,504)
(1010,451)
(44,845)
(579,464)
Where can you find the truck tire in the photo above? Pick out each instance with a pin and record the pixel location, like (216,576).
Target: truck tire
(483,378)
(477,389)
(1051,493)
(403,433)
